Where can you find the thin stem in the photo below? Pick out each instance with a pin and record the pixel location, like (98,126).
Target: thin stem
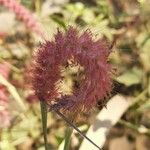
(44,122)
(68,138)
(72,125)
(38,6)
(139,97)
(13,92)
(134,127)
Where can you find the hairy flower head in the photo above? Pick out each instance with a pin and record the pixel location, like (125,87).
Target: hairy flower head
(72,48)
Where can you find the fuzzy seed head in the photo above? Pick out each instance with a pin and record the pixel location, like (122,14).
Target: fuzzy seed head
(79,48)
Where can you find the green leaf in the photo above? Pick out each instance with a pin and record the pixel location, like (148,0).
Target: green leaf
(59,21)
(130,77)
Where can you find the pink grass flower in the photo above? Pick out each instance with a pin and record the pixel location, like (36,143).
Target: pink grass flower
(23,14)
(92,54)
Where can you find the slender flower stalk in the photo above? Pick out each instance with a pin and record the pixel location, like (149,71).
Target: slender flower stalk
(44,122)
(68,138)
(23,14)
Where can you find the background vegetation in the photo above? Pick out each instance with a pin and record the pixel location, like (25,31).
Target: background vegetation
(124,23)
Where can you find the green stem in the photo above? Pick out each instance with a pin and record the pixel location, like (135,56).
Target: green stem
(134,127)
(38,6)
(44,122)
(74,127)
(68,138)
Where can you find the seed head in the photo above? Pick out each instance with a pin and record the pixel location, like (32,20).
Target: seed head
(82,50)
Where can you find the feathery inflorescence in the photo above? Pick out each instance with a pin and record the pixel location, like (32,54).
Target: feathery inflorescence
(23,14)
(92,54)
